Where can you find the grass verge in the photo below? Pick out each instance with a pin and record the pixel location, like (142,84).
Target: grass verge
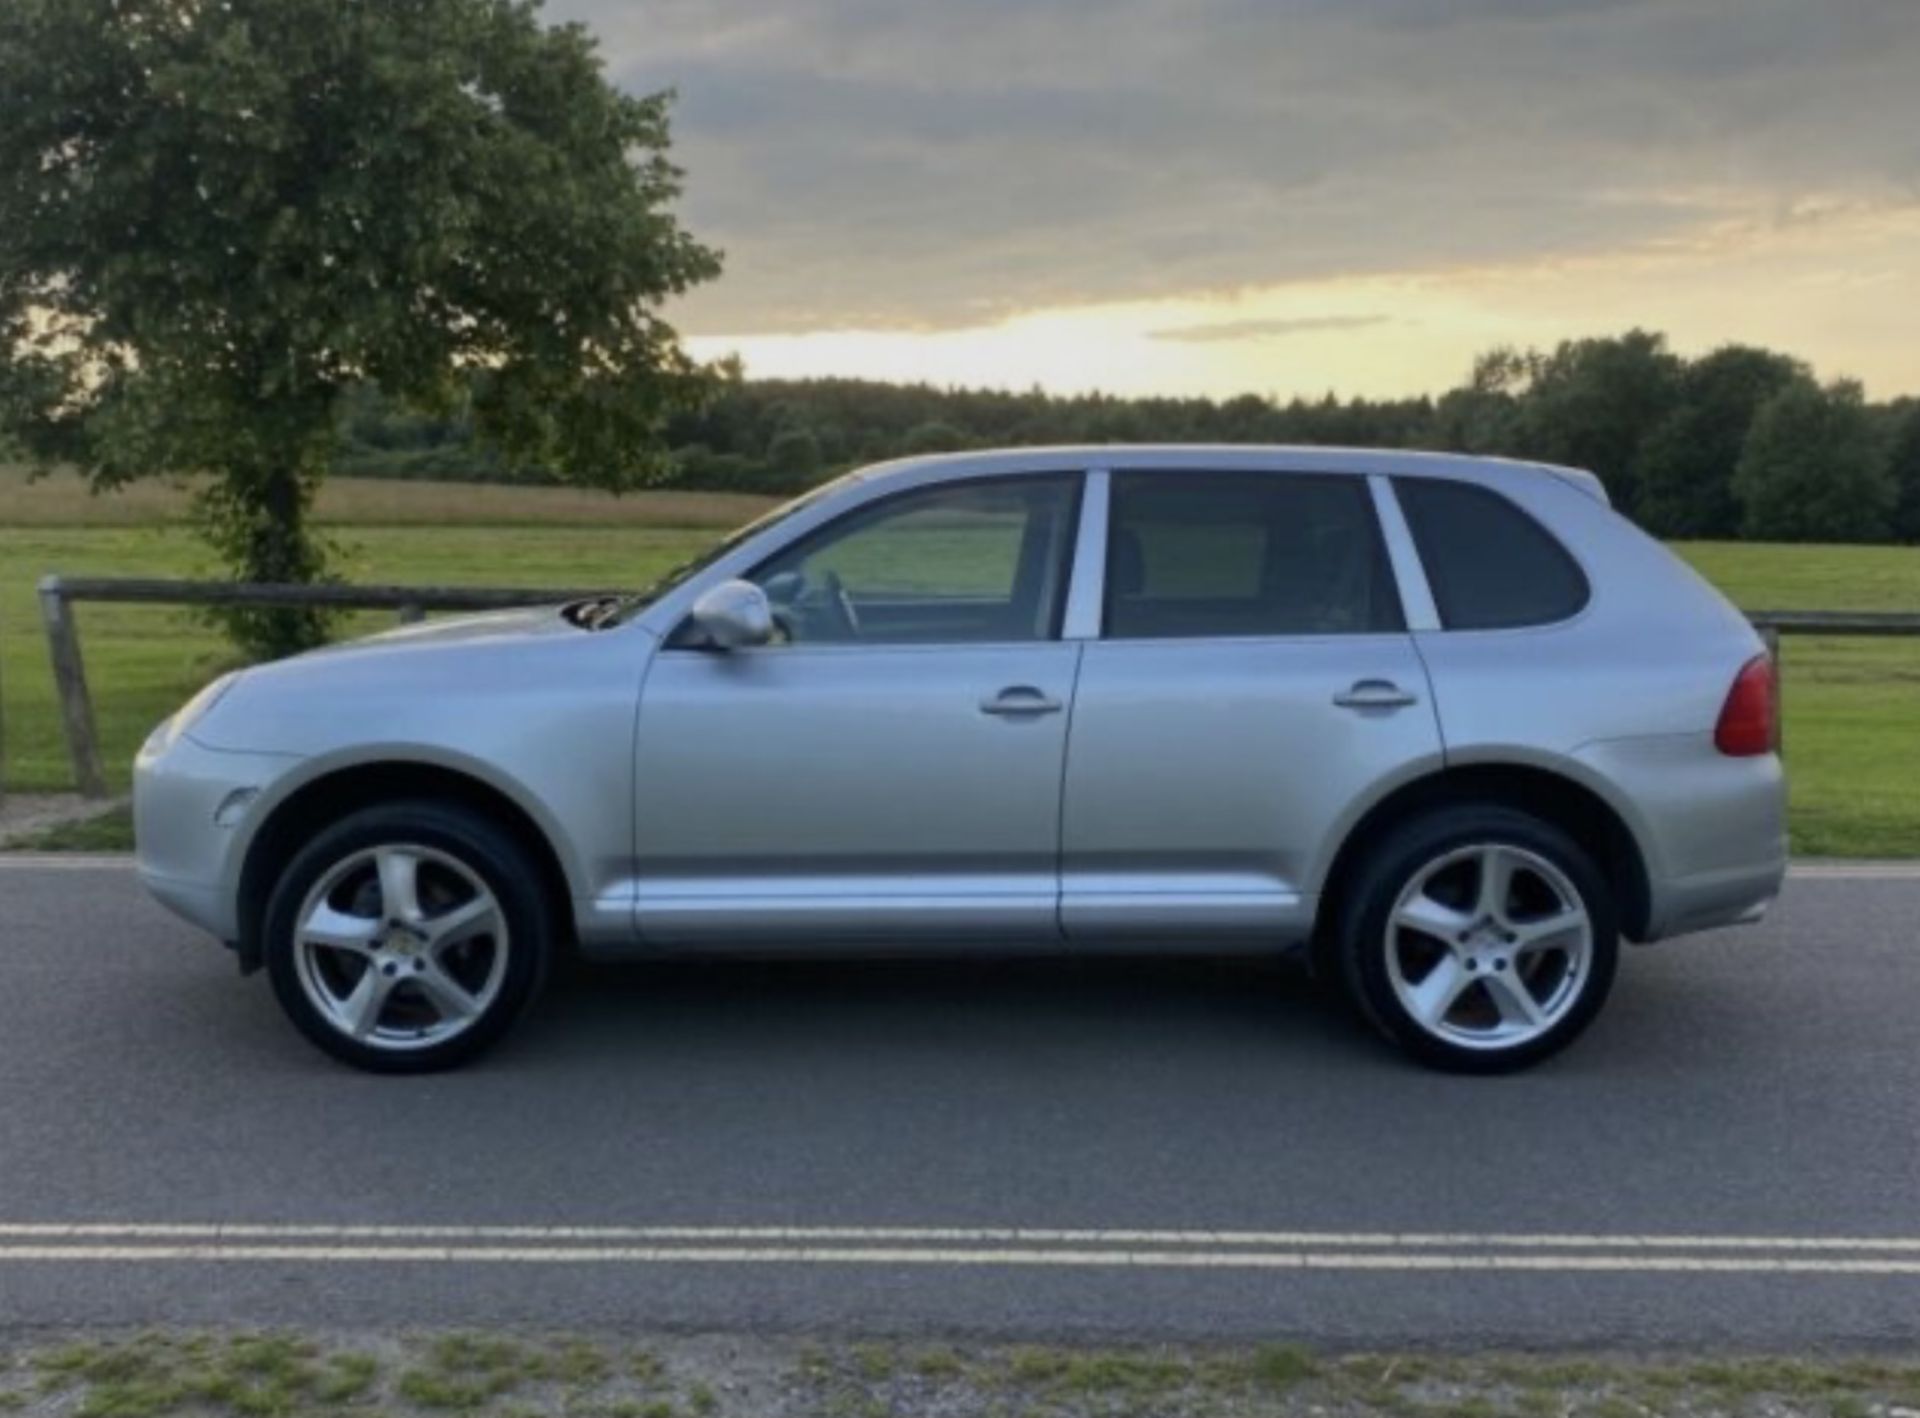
(111,831)
(517,1375)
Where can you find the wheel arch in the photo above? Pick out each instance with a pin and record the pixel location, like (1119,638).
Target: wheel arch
(1575,807)
(342,788)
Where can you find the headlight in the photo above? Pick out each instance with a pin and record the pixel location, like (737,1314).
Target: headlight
(184,718)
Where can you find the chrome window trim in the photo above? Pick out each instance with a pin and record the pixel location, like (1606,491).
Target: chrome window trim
(1087,588)
(1409,573)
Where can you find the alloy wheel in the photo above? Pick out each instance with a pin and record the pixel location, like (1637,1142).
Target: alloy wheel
(401,947)
(1489,946)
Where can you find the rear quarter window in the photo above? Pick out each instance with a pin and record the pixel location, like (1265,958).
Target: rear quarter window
(1490,565)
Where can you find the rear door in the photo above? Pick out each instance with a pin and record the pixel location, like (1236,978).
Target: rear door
(1252,680)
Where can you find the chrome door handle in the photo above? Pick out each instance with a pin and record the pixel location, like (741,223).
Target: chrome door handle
(1020,699)
(1375,694)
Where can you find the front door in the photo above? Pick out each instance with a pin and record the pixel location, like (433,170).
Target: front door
(1251,683)
(889,770)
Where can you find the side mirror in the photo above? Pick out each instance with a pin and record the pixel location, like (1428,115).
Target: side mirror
(734,614)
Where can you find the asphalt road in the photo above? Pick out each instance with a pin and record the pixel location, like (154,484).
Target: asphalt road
(1210,1150)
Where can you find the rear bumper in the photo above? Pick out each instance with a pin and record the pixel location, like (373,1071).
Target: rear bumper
(1712,829)
(1700,903)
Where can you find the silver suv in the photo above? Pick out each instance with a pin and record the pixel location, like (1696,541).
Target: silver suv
(1452,725)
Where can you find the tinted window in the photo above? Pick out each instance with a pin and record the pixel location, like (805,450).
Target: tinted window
(1200,554)
(1490,565)
(976,561)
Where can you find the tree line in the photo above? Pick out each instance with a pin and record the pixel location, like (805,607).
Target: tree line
(1738,443)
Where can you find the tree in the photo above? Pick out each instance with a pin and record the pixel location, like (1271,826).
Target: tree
(1812,469)
(1592,403)
(793,454)
(933,437)
(1686,467)
(1483,415)
(1903,468)
(217,216)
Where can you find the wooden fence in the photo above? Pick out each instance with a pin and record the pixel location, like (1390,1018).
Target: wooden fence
(59,593)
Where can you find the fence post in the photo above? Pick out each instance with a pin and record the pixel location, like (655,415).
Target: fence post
(70,679)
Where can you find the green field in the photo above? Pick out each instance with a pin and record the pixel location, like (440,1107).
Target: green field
(1852,706)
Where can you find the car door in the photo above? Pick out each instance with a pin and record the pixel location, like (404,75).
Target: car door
(1252,680)
(889,770)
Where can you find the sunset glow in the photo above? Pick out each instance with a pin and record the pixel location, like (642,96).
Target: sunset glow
(1837,286)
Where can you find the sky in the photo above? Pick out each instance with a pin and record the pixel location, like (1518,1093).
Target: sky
(1285,197)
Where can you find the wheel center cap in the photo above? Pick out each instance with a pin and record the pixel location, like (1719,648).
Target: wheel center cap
(401,942)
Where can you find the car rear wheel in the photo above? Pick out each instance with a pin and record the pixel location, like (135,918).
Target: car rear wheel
(408,937)
(1480,939)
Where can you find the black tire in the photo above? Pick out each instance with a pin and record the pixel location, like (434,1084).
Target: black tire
(477,844)
(1392,866)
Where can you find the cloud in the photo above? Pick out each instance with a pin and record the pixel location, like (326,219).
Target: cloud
(909,164)
(1229,330)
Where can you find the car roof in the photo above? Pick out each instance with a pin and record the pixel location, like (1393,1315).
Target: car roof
(1229,457)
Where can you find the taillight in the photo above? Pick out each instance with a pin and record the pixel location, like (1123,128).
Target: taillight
(1750,719)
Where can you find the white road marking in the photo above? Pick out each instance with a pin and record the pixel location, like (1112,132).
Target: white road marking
(147,1243)
(929,1256)
(225,1231)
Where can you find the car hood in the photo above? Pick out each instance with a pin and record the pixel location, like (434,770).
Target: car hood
(505,627)
(428,684)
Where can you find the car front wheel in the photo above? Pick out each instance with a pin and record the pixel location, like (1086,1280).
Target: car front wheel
(407,937)
(1480,939)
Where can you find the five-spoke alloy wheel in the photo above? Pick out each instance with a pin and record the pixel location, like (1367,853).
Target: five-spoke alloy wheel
(1480,938)
(408,937)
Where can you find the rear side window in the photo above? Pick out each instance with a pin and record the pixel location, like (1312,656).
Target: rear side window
(1490,565)
(1238,554)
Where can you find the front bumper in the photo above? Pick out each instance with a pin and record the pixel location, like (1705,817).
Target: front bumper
(194,809)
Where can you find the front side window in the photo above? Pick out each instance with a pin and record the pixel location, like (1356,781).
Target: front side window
(1490,565)
(968,562)
(1239,554)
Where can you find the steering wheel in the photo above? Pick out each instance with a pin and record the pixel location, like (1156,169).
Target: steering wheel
(847,619)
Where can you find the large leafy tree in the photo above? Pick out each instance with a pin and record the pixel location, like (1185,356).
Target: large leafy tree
(1592,403)
(1686,466)
(218,216)
(1813,469)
